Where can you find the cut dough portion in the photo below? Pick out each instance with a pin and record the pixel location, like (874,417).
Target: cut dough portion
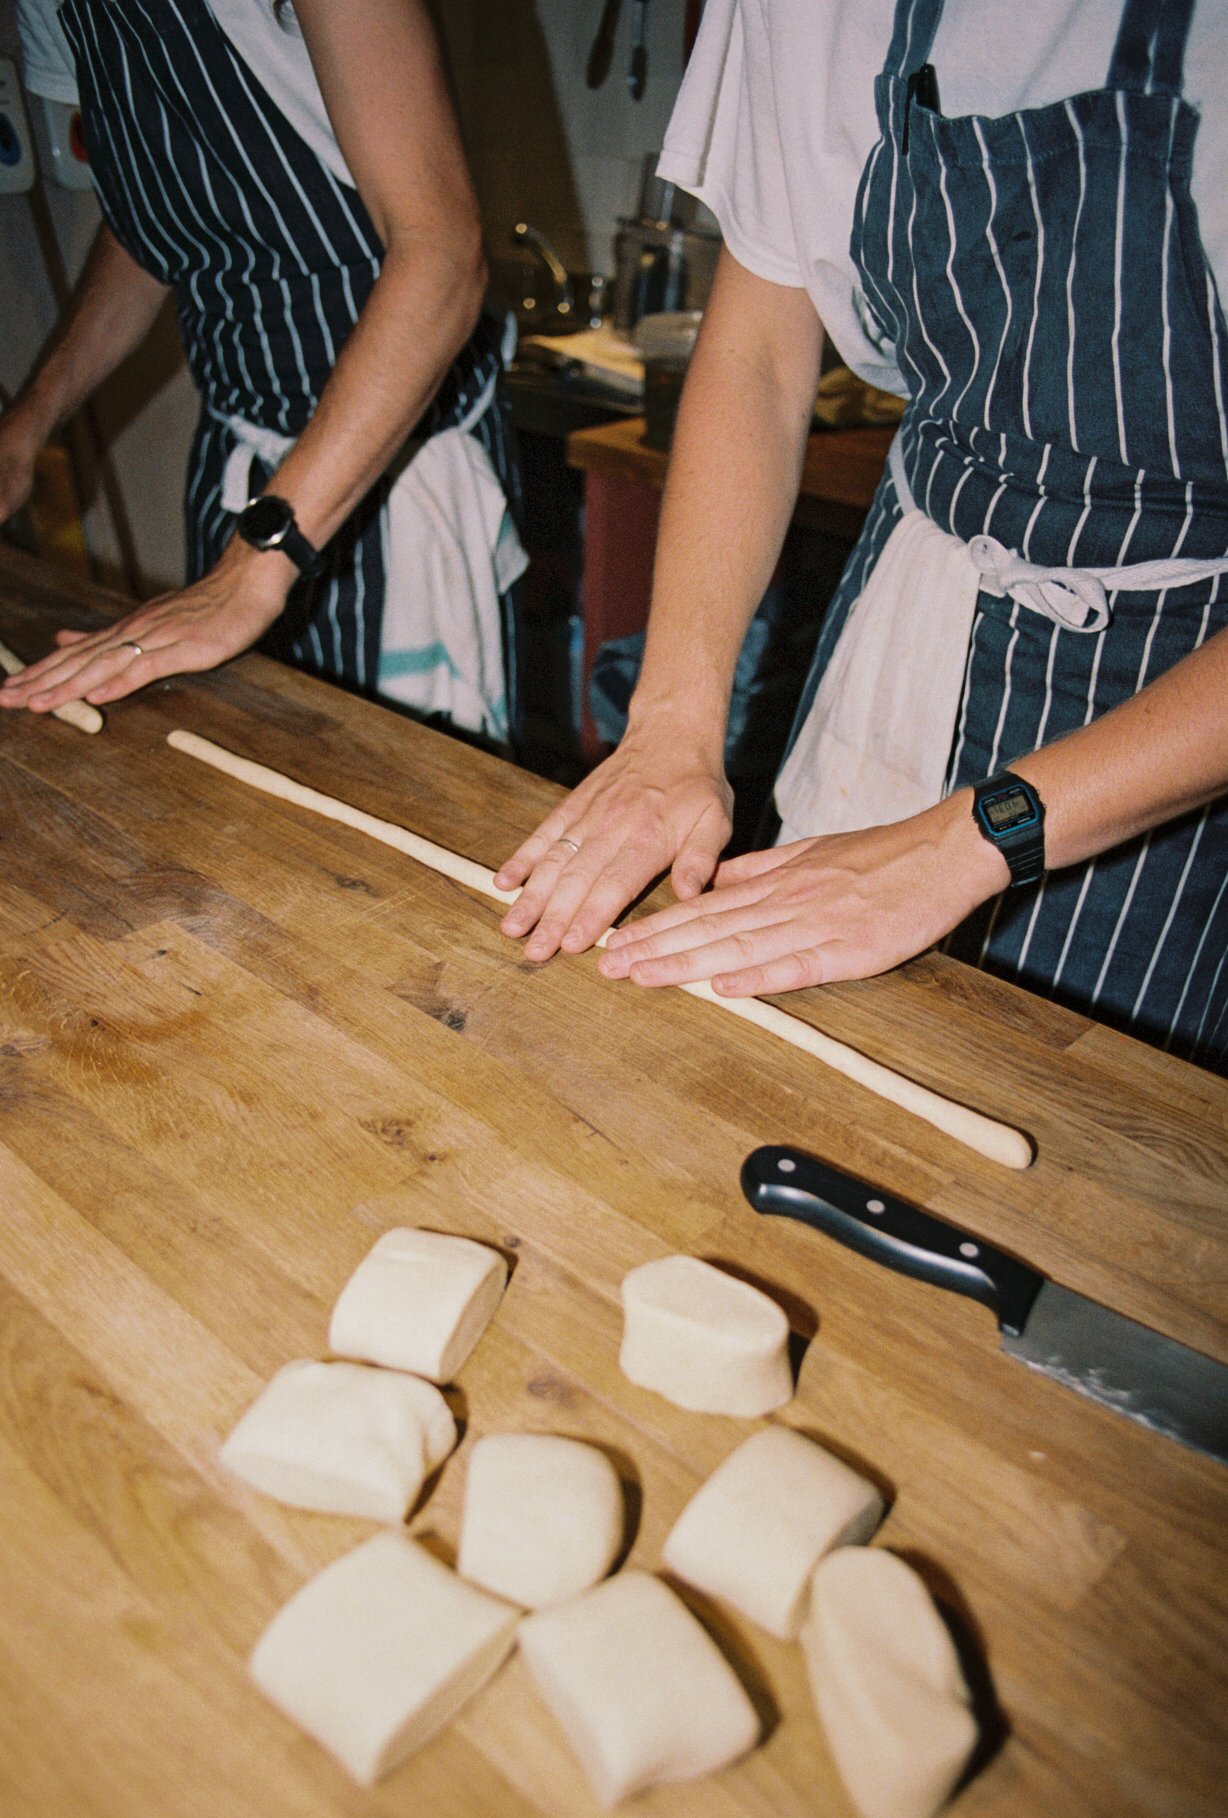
(704,1339)
(342,1438)
(752,1533)
(641,1690)
(419,1300)
(887,1683)
(379,1651)
(543,1517)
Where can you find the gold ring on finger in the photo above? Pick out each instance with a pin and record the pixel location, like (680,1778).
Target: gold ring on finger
(131,644)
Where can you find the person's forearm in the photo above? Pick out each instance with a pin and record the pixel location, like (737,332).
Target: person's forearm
(1155,757)
(417,319)
(733,478)
(112,310)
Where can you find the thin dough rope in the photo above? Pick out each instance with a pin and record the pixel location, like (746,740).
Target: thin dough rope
(997,1142)
(75,713)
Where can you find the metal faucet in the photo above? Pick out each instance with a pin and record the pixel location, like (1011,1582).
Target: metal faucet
(564,293)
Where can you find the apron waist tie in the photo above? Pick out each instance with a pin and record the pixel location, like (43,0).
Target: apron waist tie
(251,444)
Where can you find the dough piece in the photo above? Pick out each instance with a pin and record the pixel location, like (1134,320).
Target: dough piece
(998,1141)
(543,1517)
(641,1690)
(75,713)
(379,1651)
(342,1438)
(752,1533)
(419,1300)
(887,1683)
(704,1339)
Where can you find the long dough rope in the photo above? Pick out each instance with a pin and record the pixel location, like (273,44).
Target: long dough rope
(998,1142)
(76,713)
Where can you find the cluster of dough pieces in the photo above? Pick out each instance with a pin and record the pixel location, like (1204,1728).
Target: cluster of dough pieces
(381,1649)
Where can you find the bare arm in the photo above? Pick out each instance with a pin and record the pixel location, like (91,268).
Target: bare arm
(112,310)
(382,78)
(661,799)
(855,904)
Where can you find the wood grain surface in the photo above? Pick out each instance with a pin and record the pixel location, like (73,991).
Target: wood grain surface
(236,1044)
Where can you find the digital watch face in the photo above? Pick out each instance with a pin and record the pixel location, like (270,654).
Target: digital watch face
(1008,810)
(266,521)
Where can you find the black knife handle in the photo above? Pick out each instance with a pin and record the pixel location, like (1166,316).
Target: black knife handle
(791,1184)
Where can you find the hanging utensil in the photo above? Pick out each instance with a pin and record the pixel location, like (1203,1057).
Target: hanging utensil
(637,73)
(602,53)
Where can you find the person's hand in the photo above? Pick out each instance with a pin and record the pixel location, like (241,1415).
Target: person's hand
(195,628)
(656,804)
(845,906)
(18,453)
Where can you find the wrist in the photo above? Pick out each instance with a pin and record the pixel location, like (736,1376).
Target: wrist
(967,852)
(261,577)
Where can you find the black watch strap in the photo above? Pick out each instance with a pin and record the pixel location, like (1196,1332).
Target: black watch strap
(268,522)
(1011,816)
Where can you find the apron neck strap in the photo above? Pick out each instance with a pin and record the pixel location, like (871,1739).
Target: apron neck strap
(1150,51)
(916,22)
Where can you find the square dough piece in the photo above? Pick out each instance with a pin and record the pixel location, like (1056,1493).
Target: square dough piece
(543,1517)
(342,1438)
(752,1533)
(887,1683)
(419,1301)
(703,1339)
(379,1651)
(642,1692)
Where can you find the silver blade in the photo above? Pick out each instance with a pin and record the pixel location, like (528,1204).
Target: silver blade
(1154,1380)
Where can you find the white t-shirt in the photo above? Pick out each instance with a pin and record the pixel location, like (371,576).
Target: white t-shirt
(275,53)
(775,121)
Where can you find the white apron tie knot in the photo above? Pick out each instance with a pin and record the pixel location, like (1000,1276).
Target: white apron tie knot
(1071,597)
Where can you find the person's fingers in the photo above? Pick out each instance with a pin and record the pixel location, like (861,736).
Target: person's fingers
(540,882)
(66,637)
(679,915)
(541,842)
(571,897)
(717,950)
(727,935)
(616,886)
(101,676)
(701,851)
(789,972)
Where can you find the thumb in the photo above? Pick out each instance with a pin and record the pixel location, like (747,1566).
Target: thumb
(692,870)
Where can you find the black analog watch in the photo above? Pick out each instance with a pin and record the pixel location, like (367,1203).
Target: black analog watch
(268,523)
(1011,816)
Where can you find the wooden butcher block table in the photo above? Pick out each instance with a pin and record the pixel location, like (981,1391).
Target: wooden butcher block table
(237,1043)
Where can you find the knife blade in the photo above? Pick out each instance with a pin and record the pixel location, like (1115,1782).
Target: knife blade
(1114,1360)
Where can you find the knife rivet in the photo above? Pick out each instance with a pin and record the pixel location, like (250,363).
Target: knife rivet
(786,1166)
(969,1250)
(876,1206)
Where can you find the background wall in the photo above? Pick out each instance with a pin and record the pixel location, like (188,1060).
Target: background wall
(543,146)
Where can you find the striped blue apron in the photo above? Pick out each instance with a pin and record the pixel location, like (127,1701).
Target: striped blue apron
(208,187)
(1041,279)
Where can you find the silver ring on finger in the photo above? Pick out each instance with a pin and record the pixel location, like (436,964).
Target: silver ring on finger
(564,841)
(131,644)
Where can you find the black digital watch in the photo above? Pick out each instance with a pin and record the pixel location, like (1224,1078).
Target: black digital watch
(1011,816)
(268,523)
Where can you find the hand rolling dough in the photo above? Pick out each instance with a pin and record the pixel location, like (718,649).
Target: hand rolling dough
(887,1683)
(379,1651)
(543,1517)
(752,1533)
(418,1301)
(342,1438)
(641,1690)
(704,1339)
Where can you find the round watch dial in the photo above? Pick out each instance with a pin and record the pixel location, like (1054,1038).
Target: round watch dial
(266,521)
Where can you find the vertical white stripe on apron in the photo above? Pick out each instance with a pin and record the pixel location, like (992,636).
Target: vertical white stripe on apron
(1073,117)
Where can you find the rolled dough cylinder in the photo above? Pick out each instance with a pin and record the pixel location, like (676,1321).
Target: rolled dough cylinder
(379,1651)
(418,1301)
(543,1517)
(887,1683)
(642,1692)
(342,1438)
(704,1339)
(752,1533)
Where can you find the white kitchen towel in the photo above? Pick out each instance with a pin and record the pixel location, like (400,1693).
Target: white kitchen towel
(875,744)
(452,551)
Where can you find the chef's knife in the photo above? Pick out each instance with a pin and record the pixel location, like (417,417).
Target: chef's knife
(1152,1379)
